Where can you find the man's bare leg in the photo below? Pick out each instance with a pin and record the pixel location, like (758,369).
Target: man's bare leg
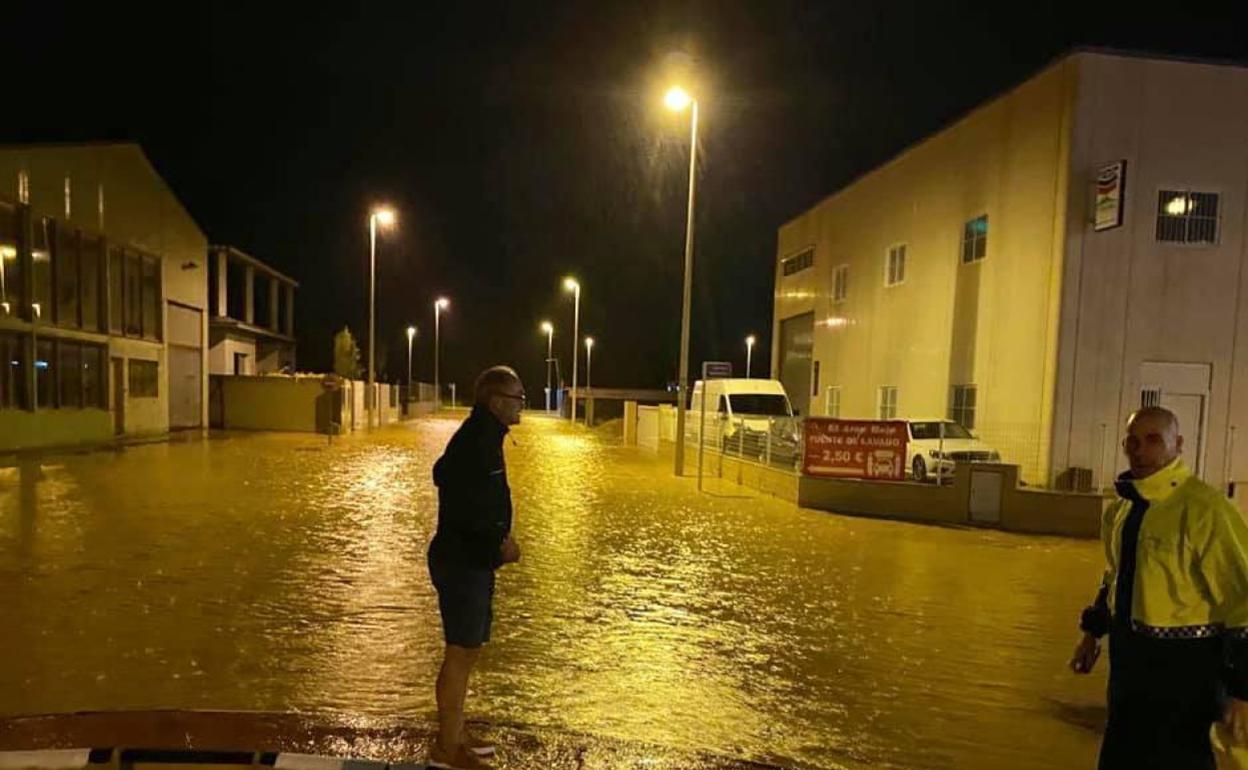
(452,689)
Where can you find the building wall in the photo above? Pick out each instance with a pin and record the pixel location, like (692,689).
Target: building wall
(991,323)
(224,346)
(137,210)
(1129,299)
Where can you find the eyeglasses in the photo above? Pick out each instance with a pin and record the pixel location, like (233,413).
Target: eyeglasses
(520,397)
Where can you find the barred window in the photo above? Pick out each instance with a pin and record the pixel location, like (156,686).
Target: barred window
(895,269)
(1185,216)
(798,263)
(840,283)
(832,407)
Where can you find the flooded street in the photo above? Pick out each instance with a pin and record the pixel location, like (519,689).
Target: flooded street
(279,573)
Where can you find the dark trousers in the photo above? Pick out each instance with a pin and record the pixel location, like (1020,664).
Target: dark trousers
(1164,695)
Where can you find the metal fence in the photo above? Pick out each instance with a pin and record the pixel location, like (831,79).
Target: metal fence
(771,441)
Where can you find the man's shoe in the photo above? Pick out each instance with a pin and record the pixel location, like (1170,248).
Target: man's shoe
(478,746)
(463,759)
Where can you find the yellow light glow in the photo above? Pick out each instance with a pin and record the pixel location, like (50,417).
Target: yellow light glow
(589,342)
(6,307)
(750,340)
(384,216)
(35,306)
(8,252)
(443,303)
(411,332)
(1180,205)
(570,284)
(38,255)
(836,322)
(548,327)
(677,98)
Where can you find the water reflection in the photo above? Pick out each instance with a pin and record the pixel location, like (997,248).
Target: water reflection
(274,572)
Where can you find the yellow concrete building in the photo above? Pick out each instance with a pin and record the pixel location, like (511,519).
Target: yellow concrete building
(1040,268)
(103,293)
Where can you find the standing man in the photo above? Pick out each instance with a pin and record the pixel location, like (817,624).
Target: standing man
(473,540)
(1174,601)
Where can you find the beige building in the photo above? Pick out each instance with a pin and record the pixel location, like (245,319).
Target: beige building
(103,293)
(1039,269)
(251,326)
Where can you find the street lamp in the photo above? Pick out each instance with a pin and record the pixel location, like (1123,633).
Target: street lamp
(549,328)
(384,217)
(571,285)
(749,353)
(678,99)
(589,364)
(411,335)
(442,304)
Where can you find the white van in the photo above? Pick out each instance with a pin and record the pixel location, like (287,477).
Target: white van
(758,406)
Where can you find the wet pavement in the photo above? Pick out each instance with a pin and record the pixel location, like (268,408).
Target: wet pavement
(280,573)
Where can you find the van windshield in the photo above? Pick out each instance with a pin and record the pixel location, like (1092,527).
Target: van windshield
(766,404)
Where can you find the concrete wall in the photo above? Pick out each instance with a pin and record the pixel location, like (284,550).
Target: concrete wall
(1128,299)
(991,323)
(20,429)
(224,346)
(274,403)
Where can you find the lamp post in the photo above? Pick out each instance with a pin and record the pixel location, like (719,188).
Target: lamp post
(385,218)
(749,354)
(549,328)
(442,304)
(678,99)
(571,285)
(411,335)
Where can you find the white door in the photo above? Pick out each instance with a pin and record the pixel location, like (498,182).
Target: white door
(1190,409)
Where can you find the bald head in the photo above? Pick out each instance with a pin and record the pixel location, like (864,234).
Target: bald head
(1153,440)
(499,390)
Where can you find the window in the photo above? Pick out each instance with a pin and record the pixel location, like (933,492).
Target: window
(814,381)
(12,282)
(144,379)
(1184,216)
(65,270)
(832,401)
(895,267)
(151,298)
(116,291)
(760,404)
(975,240)
(41,271)
(13,372)
(840,283)
(92,255)
(94,382)
(240,363)
(888,402)
(134,294)
(962,405)
(45,375)
(798,263)
(69,360)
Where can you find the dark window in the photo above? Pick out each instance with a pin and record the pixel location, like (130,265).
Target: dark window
(116,291)
(283,302)
(975,239)
(92,256)
(262,284)
(962,405)
(235,291)
(144,379)
(151,298)
(765,404)
(13,372)
(45,375)
(798,263)
(69,357)
(12,283)
(94,384)
(41,269)
(1184,216)
(65,261)
(134,295)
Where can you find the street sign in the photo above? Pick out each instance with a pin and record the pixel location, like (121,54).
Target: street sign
(855,449)
(716,370)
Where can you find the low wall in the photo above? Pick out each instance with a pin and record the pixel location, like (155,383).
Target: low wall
(275,403)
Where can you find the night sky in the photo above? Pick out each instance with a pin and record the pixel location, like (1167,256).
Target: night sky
(526,141)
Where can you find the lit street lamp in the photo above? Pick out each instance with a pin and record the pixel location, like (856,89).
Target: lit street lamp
(411,335)
(589,365)
(571,285)
(678,99)
(442,304)
(385,218)
(749,353)
(549,328)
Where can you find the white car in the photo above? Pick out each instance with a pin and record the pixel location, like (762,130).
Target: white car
(931,457)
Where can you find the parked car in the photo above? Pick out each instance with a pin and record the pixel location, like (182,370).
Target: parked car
(931,457)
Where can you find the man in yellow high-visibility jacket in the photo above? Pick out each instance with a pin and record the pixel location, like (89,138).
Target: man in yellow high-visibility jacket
(1174,602)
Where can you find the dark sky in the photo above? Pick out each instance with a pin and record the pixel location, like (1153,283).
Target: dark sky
(525,141)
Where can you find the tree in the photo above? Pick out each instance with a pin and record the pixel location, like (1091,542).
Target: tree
(346,355)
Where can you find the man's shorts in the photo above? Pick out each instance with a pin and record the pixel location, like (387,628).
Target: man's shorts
(465,597)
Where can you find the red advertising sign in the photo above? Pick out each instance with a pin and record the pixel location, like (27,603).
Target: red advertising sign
(855,449)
